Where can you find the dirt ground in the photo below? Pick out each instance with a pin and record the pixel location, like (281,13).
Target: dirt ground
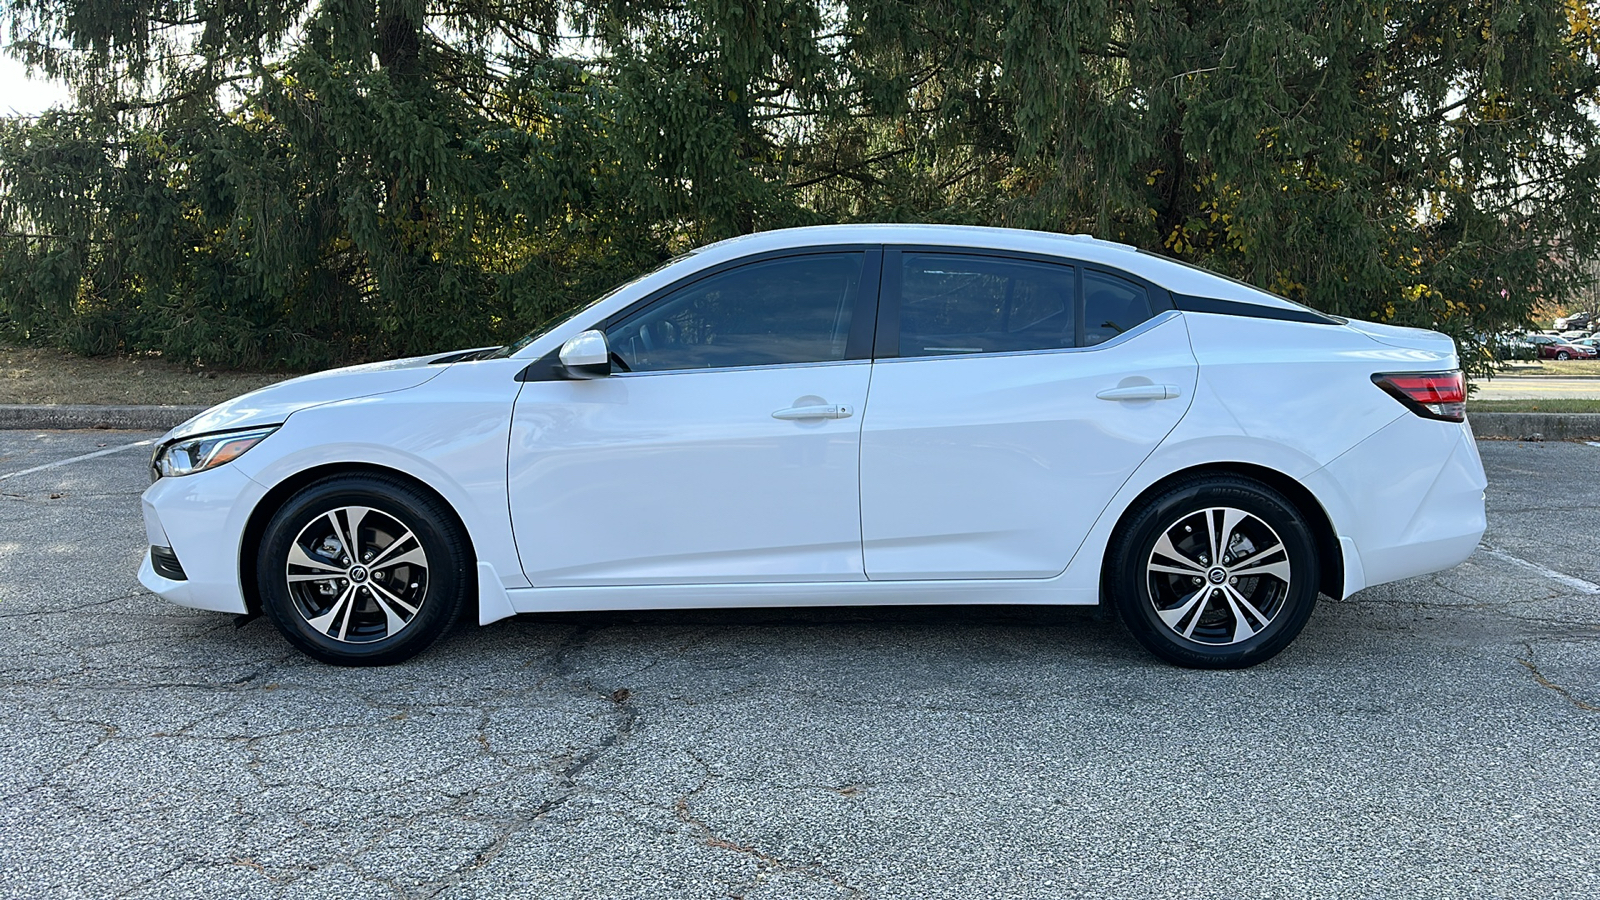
(29,375)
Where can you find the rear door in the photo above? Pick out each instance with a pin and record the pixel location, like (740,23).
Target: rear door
(1011,398)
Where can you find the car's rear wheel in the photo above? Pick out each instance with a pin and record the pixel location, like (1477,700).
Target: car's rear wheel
(1217,572)
(360,570)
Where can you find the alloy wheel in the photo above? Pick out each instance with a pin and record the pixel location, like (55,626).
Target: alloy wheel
(357,574)
(1218,576)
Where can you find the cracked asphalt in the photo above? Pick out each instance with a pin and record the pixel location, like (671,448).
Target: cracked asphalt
(1433,738)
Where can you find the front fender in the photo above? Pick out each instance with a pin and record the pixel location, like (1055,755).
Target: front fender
(450,434)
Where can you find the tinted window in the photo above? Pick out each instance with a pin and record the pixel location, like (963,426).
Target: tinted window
(791,310)
(951,304)
(1111,305)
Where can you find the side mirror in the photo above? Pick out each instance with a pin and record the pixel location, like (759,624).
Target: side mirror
(586,355)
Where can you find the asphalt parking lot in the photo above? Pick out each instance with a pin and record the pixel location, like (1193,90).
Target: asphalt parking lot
(1434,738)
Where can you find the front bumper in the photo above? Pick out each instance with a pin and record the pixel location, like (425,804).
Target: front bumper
(202,519)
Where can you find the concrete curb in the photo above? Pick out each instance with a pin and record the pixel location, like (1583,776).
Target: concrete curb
(123,418)
(1540,426)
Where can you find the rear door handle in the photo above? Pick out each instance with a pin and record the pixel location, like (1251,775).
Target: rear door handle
(814,412)
(1141,392)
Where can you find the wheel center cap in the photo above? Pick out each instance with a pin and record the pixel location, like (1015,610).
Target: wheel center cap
(358,574)
(1217,575)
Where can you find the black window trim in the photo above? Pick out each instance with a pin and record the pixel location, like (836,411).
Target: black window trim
(1214,306)
(858,344)
(887,344)
(1297,312)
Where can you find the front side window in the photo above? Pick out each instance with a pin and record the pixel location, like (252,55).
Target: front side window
(952,304)
(775,312)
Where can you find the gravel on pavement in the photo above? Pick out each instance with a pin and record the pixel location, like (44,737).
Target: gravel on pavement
(1438,737)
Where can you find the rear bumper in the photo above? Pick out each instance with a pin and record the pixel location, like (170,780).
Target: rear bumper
(1412,498)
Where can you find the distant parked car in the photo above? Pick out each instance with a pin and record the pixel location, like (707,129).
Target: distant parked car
(1563,349)
(1511,345)
(1593,343)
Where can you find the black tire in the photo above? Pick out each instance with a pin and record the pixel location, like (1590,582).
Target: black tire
(412,595)
(1562,354)
(1224,634)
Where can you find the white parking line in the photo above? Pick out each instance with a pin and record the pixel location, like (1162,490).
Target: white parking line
(1577,584)
(63,462)
(1593,443)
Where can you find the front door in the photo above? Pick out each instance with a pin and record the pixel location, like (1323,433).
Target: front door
(724,448)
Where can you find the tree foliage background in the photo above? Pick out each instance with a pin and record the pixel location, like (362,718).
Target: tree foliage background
(293,183)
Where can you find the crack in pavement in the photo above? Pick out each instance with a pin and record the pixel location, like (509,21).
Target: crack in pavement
(72,609)
(1538,676)
(1476,603)
(457,804)
(626,716)
(710,838)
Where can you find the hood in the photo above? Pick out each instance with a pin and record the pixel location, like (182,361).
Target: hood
(1407,338)
(274,403)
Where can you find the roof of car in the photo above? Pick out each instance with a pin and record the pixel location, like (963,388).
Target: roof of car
(1173,275)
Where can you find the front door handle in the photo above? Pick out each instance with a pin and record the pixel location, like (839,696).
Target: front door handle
(814,412)
(1141,392)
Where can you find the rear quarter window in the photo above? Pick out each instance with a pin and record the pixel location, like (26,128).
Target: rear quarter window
(1111,306)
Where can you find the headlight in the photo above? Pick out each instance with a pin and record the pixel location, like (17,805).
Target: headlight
(197,454)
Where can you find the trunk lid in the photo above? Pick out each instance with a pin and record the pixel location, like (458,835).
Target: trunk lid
(1429,342)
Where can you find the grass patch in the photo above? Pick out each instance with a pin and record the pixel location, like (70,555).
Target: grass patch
(1568,367)
(30,375)
(1555,405)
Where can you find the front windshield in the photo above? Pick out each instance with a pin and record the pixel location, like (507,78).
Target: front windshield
(521,342)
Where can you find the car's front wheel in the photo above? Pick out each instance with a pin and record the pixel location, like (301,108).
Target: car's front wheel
(362,570)
(1562,354)
(1217,572)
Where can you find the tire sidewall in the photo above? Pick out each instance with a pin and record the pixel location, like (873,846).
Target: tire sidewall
(446,569)
(1129,582)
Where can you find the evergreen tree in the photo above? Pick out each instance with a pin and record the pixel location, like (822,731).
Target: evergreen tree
(298,182)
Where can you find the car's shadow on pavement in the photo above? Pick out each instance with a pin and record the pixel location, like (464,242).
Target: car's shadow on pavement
(821,635)
(917,616)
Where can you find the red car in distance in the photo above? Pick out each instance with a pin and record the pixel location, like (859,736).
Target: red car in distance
(1551,347)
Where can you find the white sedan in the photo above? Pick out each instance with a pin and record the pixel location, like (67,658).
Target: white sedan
(868,414)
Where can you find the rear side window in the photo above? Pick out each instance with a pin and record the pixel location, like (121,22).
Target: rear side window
(1111,305)
(776,312)
(952,305)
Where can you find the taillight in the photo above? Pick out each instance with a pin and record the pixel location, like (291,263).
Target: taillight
(1431,395)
